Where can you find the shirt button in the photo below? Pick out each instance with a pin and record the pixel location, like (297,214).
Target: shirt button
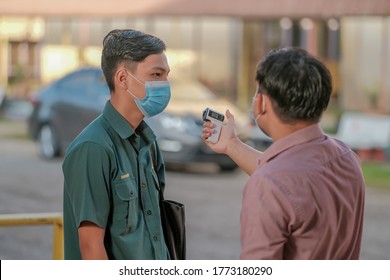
(143,185)
(149,212)
(155,238)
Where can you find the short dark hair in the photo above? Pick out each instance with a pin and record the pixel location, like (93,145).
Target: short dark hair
(129,46)
(298,84)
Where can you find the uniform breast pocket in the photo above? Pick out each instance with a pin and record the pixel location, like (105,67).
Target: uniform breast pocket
(125,208)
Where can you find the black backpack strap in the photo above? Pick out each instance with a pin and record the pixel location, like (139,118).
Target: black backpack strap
(153,155)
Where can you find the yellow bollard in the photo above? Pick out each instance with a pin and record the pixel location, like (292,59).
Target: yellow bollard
(58,241)
(36,219)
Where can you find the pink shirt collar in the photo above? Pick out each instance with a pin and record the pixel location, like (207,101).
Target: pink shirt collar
(301,136)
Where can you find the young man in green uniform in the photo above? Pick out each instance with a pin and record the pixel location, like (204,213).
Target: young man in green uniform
(111,189)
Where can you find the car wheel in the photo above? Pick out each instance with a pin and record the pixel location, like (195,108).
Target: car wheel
(228,167)
(48,143)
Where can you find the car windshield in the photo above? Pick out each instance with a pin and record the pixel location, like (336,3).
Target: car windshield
(191,91)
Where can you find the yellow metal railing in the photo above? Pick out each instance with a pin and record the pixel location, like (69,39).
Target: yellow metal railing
(36,219)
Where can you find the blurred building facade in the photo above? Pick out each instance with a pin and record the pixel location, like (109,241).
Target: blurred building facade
(221,51)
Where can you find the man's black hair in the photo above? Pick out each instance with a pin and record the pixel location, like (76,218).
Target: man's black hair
(298,84)
(128,46)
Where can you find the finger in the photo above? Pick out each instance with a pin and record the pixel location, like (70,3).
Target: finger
(205,135)
(208,125)
(208,129)
(229,116)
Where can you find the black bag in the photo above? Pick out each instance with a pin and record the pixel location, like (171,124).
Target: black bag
(173,222)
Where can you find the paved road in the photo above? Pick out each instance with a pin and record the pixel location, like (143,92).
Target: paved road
(29,184)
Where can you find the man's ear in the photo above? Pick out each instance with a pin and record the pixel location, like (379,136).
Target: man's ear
(260,103)
(263,97)
(121,77)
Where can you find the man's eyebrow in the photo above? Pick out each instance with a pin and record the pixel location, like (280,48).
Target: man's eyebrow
(161,69)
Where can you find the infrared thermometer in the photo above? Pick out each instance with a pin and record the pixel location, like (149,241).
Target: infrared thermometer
(210,115)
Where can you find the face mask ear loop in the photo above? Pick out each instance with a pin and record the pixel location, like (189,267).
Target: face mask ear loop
(128,91)
(135,78)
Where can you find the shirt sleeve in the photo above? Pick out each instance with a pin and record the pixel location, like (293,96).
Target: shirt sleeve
(266,219)
(87,183)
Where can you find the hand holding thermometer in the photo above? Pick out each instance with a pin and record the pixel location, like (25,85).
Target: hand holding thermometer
(210,115)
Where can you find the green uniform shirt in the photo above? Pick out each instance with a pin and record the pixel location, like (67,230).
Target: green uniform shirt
(109,179)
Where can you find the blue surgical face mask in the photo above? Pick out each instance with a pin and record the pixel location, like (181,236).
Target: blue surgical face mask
(252,115)
(158,94)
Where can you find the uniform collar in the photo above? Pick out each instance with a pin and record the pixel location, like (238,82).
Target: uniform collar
(301,136)
(123,128)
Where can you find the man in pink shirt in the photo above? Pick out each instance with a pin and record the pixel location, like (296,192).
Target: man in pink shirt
(305,195)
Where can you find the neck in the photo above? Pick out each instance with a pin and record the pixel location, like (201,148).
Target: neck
(281,130)
(128,110)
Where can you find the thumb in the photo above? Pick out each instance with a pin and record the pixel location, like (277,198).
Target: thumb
(229,116)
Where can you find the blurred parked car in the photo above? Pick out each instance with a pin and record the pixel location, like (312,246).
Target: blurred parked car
(63,108)
(14,108)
